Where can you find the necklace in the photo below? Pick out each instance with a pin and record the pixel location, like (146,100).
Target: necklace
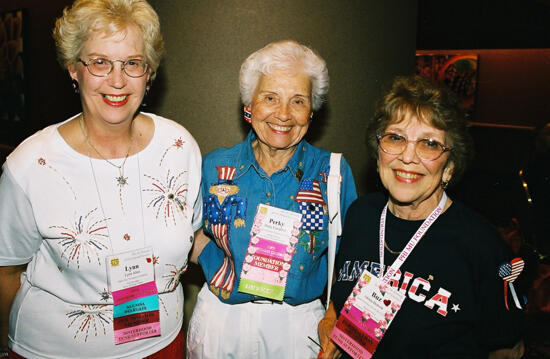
(121,180)
(389,250)
(108,219)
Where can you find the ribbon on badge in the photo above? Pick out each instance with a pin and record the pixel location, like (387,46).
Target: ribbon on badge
(509,272)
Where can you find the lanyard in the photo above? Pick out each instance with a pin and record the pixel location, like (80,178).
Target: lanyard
(412,242)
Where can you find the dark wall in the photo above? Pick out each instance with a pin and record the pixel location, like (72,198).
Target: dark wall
(48,94)
(510,175)
(483,24)
(365,43)
(512,86)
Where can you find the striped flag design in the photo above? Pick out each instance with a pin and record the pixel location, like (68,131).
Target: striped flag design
(510,271)
(310,191)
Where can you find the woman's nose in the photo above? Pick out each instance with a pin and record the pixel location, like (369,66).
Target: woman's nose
(283,112)
(117,77)
(409,154)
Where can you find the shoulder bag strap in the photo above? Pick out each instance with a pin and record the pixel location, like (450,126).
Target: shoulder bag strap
(335,223)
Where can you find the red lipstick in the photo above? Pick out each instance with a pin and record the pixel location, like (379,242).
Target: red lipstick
(407,176)
(115,103)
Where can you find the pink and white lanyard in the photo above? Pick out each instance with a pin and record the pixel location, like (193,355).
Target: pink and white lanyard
(412,242)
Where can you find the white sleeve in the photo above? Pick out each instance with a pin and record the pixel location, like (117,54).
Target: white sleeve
(197,188)
(197,212)
(19,235)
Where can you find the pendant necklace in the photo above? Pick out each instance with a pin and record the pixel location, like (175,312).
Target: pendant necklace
(389,250)
(121,180)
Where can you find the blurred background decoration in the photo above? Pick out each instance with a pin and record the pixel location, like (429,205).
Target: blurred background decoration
(12,79)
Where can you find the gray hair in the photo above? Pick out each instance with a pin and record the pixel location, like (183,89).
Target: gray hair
(284,55)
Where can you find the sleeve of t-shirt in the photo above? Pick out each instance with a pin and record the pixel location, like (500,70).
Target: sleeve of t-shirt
(501,326)
(348,192)
(197,212)
(197,206)
(19,235)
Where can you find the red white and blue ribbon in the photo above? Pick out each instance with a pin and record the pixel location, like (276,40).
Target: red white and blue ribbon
(509,272)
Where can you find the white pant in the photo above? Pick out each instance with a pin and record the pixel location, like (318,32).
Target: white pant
(251,330)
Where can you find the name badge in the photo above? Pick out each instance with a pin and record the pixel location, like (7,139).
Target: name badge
(128,271)
(131,279)
(366,316)
(270,251)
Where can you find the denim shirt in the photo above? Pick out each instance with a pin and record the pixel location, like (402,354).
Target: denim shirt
(308,273)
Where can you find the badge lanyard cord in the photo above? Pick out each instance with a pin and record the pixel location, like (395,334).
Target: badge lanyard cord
(412,242)
(101,202)
(121,305)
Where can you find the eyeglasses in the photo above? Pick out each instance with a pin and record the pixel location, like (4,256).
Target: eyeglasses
(102,67)
(425,148)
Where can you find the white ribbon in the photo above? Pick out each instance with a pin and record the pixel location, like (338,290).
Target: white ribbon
(412,242)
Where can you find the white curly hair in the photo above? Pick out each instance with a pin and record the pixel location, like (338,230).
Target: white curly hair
(284,55)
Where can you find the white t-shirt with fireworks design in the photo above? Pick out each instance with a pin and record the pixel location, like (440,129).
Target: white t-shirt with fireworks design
(64,213)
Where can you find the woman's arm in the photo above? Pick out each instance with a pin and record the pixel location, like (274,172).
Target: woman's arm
(200,241)
(9,285)
(329,349)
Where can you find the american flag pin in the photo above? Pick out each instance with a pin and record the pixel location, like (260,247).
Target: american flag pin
(509,273)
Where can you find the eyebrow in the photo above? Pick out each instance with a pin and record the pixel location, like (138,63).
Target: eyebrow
(103,56)
(423,135)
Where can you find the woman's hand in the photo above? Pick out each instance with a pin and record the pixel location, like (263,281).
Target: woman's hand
(329,349)
(515,352)
(200,241)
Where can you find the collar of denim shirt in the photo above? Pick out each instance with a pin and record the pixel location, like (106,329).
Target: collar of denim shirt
(247,160)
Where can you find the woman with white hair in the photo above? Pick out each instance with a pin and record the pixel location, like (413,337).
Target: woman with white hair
(274,178)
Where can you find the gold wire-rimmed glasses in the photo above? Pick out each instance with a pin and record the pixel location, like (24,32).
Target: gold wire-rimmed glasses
(426,148)
(102,67)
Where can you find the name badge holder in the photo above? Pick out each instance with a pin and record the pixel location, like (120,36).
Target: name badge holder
(373,304)
(131,280)
(270,251)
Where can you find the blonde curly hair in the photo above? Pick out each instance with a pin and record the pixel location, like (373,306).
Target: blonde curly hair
(87,17)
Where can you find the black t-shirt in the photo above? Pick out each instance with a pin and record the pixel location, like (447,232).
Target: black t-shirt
(454,306)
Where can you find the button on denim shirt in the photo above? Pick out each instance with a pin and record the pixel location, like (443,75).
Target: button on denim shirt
(308,273)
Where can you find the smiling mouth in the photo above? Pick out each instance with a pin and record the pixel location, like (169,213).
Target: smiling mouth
(279,128)
(407,175)
(114,98)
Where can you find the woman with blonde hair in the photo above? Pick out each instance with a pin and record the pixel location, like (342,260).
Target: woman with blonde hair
(98,211)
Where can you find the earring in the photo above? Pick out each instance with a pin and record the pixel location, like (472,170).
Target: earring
(75,86)
(146,95)
(444,184)
(247,114)
(310,115)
